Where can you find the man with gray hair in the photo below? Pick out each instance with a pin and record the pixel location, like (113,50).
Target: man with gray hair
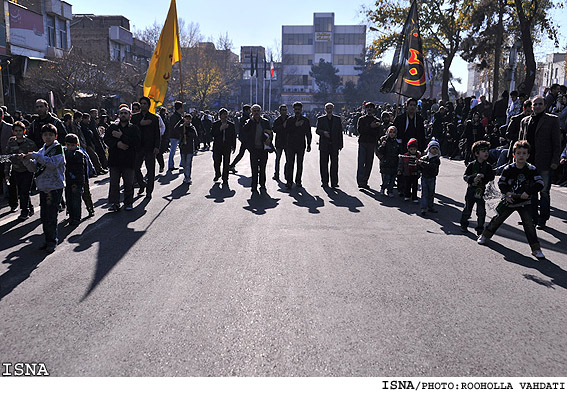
(330,131)
(258,134)
(543,133)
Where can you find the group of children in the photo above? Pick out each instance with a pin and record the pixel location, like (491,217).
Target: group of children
(519,181)
(55,169)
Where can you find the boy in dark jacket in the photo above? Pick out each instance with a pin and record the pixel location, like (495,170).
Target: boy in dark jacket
(518,183)
(388,153)
(477,175)
(429,165)
(75,177)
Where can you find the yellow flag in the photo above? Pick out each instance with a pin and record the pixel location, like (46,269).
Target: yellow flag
(167,53)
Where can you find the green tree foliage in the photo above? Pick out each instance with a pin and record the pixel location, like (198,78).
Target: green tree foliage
(326,79)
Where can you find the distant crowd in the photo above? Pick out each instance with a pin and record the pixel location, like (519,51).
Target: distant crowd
(521,139)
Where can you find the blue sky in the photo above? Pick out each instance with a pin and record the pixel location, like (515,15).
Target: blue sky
(248,23)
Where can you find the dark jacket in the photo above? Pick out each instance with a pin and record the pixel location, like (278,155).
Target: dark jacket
(189,140)
(279,130)
(174,119)
(248,132)
(13,147)
(517,181)
(37,123)
(227,143)
(411,129)
(388,154)
(429,166)
(475,168)
(547,147)
(75,167)
(298,137)
(130,136)
(474,132)
(149,134)
(335,142)
(367,134)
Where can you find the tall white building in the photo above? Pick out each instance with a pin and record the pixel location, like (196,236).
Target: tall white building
(554,70)
(303,46)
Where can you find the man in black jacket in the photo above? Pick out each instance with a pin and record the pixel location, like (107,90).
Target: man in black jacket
(298,131)
(224,142)
(174,136)
(45,117)
(241,136)
(148,123)
(330,131)
(281,138)
(258,134)
(368,128)
(411,125)
(122,139)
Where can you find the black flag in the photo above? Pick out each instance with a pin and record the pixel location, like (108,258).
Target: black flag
(407,74)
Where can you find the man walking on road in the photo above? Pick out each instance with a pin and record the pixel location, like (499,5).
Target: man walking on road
(368,127)
(258,135)
(279,129)
(224,142)
(330,131)
(148,123)
(299,137)
(241,137)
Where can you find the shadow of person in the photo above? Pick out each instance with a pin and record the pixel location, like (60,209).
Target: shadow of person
(167,177)
(114,239)
(259,203)
(178,192)
(406,207)
(219,194)
(304,199)
(23,262)
(244,181)
(340,198)
(546,267)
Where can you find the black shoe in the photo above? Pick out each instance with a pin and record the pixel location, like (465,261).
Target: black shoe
(74,223)
(44,246)
(30,212)
(141,190)
(432,210)
(424,213)
(324,185)
(479,231)
(23,216)
(464,229)
(298,184)
(50,248)
(216,179)
(288,186)
(91,213)
(541,225)
(276,178)
(171,169)
(225,184)
(13,209)
(254,191)
(263,190)
(232,169)
(114,208)
(149,196)
(334,186)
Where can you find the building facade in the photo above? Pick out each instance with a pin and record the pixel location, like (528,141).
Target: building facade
(30,33)
(303,46)
(554,69)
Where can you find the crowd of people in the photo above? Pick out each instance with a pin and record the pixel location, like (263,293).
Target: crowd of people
(519,138)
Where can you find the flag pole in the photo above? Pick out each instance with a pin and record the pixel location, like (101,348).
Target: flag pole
(181,83)
(270,95)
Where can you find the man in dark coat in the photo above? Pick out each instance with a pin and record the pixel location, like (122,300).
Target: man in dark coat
(330,131)
(281,138)
(224,142)
(543,133)
(174,136)
(148,123)
(298,133)
(410,125)
(368,127)
(258,134)
(45,117)
(122,139)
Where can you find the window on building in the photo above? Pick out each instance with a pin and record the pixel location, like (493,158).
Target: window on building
(323,47)
(323,24)
(298,39)
(350,39)
(51,31)
(62,28)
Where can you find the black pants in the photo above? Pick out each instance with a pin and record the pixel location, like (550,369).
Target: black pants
(127,175)
(258,161)
(49,203)
(527,222)
(239,155)
(149,159)
(290,155)
(20,187)
(470,201)
(73,194)
(410,186)
(88,198)
(324,157)
(220,156)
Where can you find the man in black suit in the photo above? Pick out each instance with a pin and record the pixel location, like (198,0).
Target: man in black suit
(330,131)
(411,125)
(148,123)
(279,129)
(224,142)
(299,137)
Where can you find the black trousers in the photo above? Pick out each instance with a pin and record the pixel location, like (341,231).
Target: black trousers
(149,159)
(258,161)
(290,156)
(324,157)
(527,222)
(127,176)
(73,194)
(239,155)
(221,157)
(20,187)
(410,186)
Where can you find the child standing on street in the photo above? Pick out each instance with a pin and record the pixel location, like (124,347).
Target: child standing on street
(408,169)
(519,181)
(20,178)
(477,175)
(75,177)
(429,165)
(388,152)
(49,167)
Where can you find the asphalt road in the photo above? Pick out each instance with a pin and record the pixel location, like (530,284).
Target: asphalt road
(201,281)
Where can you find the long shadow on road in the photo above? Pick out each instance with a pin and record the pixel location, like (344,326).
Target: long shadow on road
(339,198)
(220,194)
(305,199)
(259,203)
